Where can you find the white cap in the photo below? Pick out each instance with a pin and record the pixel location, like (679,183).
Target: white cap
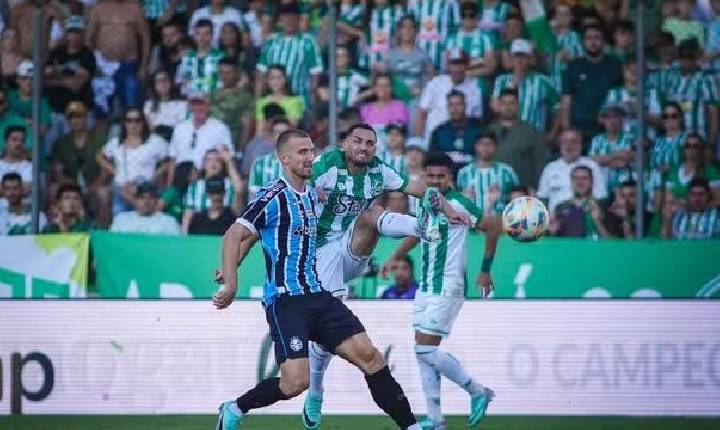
(25,69)
(521,46)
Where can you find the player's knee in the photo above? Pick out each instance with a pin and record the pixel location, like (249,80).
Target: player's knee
(371,215)
(294,384)
(370,360)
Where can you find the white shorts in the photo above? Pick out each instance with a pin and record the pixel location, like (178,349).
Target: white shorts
(434,314)
(336,264)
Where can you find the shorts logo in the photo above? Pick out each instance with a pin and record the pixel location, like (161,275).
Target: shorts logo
(296,344)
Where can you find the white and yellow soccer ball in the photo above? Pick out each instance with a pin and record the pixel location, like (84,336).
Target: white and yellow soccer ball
(525,219)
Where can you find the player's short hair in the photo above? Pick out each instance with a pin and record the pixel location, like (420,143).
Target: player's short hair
(68,188)
(581,167)
(361,126)
(14,129)
(510,92)
(456,93)
(438,159)
(203,22)
(286,135)
(700,183)
(487,135)
(12,176)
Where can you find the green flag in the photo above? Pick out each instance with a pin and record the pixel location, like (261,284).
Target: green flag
(538,26)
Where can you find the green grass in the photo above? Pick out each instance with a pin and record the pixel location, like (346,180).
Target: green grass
(205,422)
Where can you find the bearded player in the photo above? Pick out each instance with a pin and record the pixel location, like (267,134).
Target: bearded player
(348,181)
(441,295)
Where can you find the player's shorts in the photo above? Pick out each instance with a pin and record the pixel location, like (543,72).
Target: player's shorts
(337,265)
(320,317)
(435,314)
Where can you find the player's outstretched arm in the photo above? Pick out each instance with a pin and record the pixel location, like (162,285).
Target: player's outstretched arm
(490,225)
(236,244)
(418,188)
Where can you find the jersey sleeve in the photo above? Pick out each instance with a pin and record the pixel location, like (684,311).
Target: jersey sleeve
(393,180)
(261,212)
(476,214)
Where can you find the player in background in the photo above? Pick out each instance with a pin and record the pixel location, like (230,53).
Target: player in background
(284,218)
(348,181)
(441,294)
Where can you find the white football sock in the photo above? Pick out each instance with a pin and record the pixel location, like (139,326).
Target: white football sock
(430,379)
(393,224)
(449,367)
(319,362)
(414,427)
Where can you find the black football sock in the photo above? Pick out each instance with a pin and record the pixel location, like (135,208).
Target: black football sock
(264,394)
(388,394)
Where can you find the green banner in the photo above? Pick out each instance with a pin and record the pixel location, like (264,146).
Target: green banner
(136,266)
(45,266)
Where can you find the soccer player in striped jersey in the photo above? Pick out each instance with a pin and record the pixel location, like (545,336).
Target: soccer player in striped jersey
(384,18)
(349,180)
(569,44)
(698,220)
(538,96)
(442,292)
(437,20)
(284,217)
(298,52)
(487,182)
(476,44)
(695,91)
(613,149)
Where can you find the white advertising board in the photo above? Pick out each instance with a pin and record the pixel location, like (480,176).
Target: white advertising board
(540,357)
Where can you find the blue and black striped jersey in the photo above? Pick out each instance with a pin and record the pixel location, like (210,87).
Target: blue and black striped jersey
(285,220)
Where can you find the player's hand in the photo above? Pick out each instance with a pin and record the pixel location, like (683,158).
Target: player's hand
(224,297)
(485,283)
(456,217)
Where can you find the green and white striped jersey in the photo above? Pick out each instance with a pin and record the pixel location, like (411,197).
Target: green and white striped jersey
(572,44)
(351,14)
(696,225)
(538,97)
(475,44)
(264,169)
(437,20)
(651,181)
(348,87)
(668,151)
(443,262)
(348,195)
(479,180)
(196,198)
(197,73)
(299,54)
(693,93)
(602,145)
(380,34)
(493,20)
(397,162)
(627,98)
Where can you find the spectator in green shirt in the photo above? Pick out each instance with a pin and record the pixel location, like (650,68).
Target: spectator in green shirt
(233,105)
(8,118)
(70,216)
(21,98)
(73,160)
(694,166)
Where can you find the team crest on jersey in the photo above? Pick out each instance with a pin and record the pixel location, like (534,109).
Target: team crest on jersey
(296,344)
(376,185)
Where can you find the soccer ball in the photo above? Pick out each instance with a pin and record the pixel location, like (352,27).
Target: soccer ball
(525,219)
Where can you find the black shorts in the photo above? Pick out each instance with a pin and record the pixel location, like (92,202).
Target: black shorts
(320,317)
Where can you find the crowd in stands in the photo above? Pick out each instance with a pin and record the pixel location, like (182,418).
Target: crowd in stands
(160,116)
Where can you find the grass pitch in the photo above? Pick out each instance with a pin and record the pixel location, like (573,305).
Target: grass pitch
(206,422)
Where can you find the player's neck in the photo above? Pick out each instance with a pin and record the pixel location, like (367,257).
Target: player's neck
(355,169)
(296,183)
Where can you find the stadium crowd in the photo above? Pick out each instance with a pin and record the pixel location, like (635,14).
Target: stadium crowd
(159,116)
